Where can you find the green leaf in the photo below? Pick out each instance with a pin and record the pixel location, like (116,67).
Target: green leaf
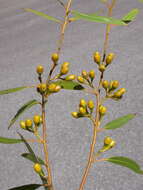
(27,187)
(130,16)
(100,19)
(69,85)
(30,157)
(29,148)
(5,140)
(12,90)
(119,122)
(126,162)
(25,107)
(141,1)
(42,15)
(34,157)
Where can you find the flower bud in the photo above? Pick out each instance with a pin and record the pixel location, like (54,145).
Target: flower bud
(65,64)
(90,104)
(119,93)
(40,69)
(74,114)
(37,119)
(105,84)
(52,87)
(37,168)
(80,79)
(57,88)
(102,110)
(82,103)
(22,124)
(107,140)
(84,74)
(97,57)
(42,87)
(92,74)
(55,57)
(70,77)
(28,123)
(109,58)
(102,67)
(64,70)
(82,110)
(115,84)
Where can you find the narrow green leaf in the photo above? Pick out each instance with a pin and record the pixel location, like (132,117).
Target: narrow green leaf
(100,19)
(130,16)
(141,1)
(12,90)
(126,162)
(34,158)
(25,107)
(5,140)
(30,157)
(28,147)
(27,187)
(119,122)
(69,85)
(38,13)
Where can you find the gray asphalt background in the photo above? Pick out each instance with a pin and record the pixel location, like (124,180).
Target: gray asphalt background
(26,41)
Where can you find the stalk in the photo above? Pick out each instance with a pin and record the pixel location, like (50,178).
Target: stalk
(96,124)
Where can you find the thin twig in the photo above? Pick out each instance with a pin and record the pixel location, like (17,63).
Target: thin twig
(45,146)
(60,42)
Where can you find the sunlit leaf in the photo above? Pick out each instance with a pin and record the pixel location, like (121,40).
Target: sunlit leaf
(130,16)
(5,140)
(41,14)
(27,187)
(100,19)
(25,107)
(69,85)
(12,90)
(119,122)
(126,162)
(30,157)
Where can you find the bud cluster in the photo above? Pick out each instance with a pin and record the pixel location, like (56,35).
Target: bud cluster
(85,109)
(101,65)
(108,144)
(110,87)
(28,123)
(86,77)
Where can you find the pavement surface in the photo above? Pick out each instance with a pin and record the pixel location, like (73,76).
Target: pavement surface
(27,40)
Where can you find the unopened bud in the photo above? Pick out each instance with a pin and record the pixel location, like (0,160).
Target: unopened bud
(80,79)
(22,124)
(37,119)
(90,104)
(105,84)
(82,103)
(55,57)
(40,69)
(102,67)
(84,74)
(109,58)
(92,74)
(82,110)
(102,110)
(97,57)
(70,77)
(74,114)
(28,123)
(37,168)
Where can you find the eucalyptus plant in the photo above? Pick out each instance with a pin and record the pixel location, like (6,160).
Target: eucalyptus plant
(94,109)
